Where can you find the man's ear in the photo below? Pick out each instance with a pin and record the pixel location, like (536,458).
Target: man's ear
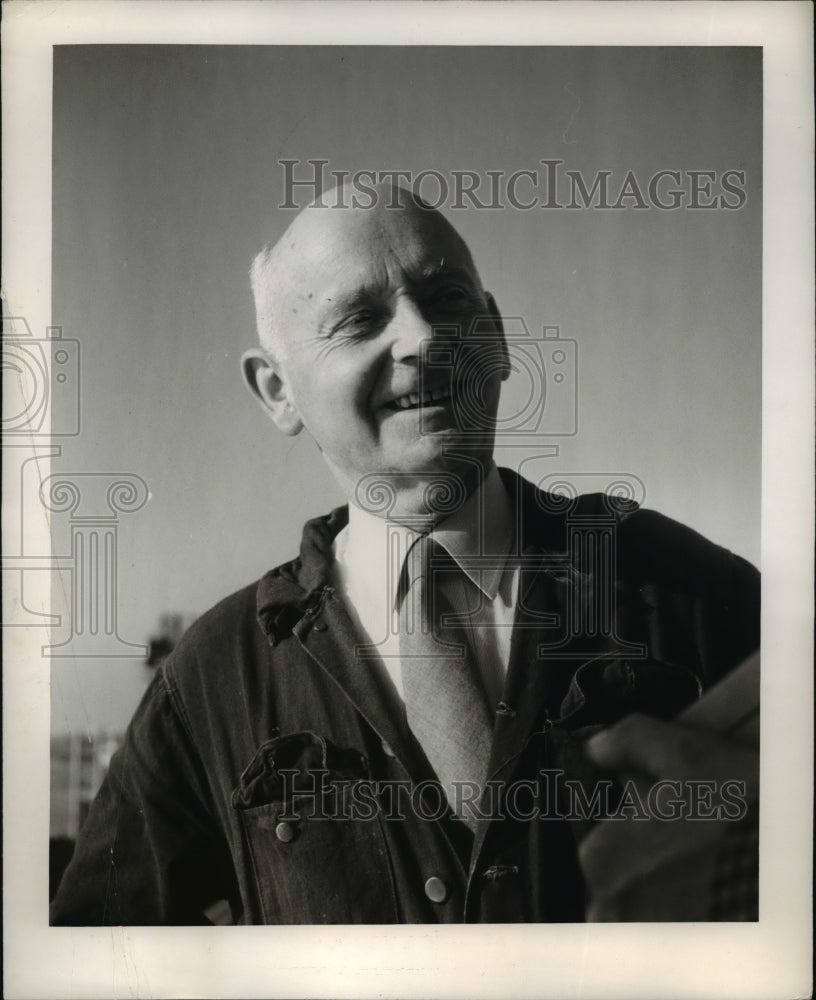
(263,378)
(499,324)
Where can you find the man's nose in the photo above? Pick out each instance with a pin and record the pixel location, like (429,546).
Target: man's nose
(410,332)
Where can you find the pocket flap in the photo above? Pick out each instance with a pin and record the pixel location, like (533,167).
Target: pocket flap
(292,763)
(604,690)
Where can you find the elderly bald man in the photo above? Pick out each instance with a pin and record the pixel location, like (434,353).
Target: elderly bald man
(346,303)
(292,757)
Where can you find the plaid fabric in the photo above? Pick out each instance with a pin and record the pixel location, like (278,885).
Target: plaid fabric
(735,883)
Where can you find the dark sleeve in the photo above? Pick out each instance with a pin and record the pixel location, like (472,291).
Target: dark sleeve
(149,851)
(702,601)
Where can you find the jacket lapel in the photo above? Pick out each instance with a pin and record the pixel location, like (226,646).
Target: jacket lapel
(330,639)
(300,600)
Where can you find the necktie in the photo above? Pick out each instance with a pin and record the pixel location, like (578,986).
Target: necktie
(445,701)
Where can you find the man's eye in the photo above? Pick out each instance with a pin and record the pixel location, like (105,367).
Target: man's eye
(361,321)
(451,297)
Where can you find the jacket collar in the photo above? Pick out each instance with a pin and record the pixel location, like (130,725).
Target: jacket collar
(287,593)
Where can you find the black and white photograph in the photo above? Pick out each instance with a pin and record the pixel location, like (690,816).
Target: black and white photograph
(406,471)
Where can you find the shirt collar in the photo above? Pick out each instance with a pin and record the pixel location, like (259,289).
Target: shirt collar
(482,526)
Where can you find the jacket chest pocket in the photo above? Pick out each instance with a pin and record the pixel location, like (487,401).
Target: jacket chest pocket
(315,842)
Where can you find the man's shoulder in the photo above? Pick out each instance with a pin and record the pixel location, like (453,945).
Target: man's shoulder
(654,545)
(220,624)
(230,633)
(644,542)
(242,628)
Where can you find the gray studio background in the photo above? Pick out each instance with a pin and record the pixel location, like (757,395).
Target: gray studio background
(166,182)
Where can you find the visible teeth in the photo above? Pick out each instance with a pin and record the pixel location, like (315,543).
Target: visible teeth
(415,398)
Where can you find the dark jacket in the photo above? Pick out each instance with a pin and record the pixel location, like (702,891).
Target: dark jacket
(263,720)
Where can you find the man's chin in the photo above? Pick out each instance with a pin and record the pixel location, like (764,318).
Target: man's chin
(442,456)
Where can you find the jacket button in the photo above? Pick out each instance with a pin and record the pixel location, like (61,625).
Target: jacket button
(436,890)
(285,832)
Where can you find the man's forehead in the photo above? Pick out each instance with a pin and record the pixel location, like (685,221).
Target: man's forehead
(328,254)
(419,239)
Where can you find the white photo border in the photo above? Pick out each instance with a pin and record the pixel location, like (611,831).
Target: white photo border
(763,960)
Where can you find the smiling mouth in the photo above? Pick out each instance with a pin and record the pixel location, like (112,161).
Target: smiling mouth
(416,400)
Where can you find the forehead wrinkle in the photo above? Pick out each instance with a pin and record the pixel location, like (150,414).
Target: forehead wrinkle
(439,251)
(424,254)
(432,272)
(358,281)
(286,275)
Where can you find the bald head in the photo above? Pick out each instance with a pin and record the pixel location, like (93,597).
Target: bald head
(283,273)
(349,301)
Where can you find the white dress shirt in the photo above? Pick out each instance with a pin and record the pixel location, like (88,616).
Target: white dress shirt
(369,554)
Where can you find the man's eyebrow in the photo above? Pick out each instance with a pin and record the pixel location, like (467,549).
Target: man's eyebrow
(349,298)
(342,302)
(367,292)
(436,272)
